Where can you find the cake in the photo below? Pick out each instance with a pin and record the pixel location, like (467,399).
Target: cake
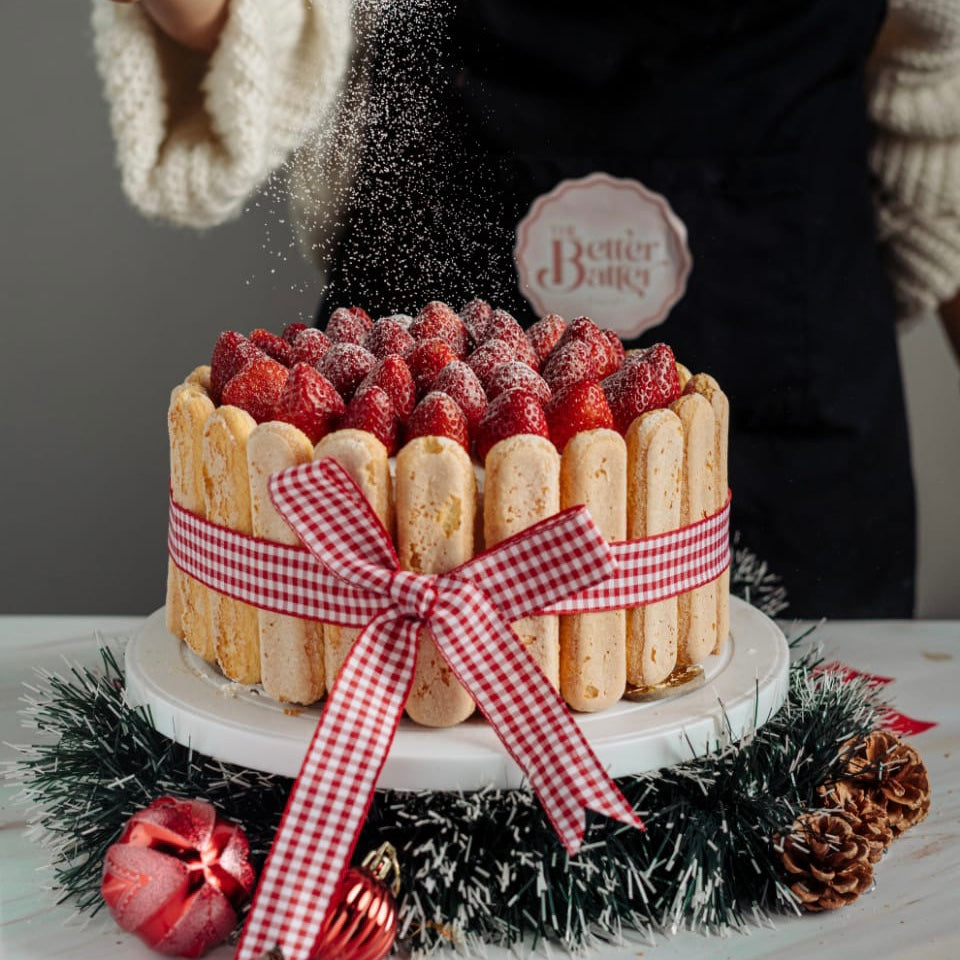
(461,429)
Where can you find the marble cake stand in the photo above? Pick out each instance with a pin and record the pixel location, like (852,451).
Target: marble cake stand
(195,705)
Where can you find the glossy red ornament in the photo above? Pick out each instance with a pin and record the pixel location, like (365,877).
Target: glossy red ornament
(362,924)
(177,876)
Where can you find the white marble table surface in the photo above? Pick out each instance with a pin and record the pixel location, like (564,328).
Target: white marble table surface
(912,913)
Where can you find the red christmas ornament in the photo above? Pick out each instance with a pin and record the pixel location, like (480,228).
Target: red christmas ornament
(362,924)
(177,876)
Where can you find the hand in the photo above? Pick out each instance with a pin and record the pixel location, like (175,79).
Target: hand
(194,23)
(950,315)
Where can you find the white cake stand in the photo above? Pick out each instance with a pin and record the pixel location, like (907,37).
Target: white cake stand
(193,704)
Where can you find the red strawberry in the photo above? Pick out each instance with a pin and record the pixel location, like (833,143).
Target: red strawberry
(437,415)
(373,411)
(426,360)
(393,376)
(310,346)
(309,401)
(583,328)
(573,362)
(659,355)
(526,354)
(545,333)
(489,355)
(403,319)
(509,376)
(475,316)
(272,346)
(581,406)
(502,326)
(362,316)
(293,330)
(438,321)
(231,353)
(460,383)
(513,412)
(648,380)
(345,365)
(257,387)
(388,336)
(344,326)
(616,350)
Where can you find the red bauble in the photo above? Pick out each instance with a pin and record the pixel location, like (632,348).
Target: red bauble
(177,876)
(362,923)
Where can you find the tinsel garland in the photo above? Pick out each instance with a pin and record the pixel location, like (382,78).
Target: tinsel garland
(477,867)
(752,580)
(482,867)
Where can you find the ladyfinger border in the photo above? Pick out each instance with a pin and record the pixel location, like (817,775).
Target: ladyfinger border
(694,486)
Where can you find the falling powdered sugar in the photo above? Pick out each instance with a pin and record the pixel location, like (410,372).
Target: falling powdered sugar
(392,198)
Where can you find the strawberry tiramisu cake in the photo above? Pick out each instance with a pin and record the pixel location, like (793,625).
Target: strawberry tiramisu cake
(461,429)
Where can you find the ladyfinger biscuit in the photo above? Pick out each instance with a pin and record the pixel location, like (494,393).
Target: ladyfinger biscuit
(654,480)
(226,485)
(706,386)
(173,607)
(201,377)
(593,659)
(436,508)
(698,608)
(522,486)
(291,649)
(683,374)
(364,457)
(188,600)
(179,454)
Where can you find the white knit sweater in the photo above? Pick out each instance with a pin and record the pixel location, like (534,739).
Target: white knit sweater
(195,137)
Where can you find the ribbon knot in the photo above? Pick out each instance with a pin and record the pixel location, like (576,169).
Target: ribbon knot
(414,594)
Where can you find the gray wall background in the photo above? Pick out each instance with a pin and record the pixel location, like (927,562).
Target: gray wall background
(103,312)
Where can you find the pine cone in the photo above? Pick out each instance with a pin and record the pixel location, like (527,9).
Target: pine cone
(871,821)
(885,772)
(827,863)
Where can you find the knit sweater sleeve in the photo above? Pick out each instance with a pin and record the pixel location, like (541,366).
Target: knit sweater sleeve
(197,134)
(914,103)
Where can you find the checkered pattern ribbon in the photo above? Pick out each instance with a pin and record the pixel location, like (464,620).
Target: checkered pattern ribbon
(330,798)
(659,567)
(349,574)
(291,580)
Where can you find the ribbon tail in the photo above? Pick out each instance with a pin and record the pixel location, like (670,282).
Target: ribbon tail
(529,717)
(566,792)
(331,796)
(606,798)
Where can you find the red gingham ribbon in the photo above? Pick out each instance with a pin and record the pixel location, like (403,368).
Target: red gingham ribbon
(291,580)
(348,574)
(332,793)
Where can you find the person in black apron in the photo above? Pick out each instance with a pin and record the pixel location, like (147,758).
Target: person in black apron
(751,120)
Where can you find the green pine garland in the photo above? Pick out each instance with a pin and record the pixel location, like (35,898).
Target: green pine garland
(477,867)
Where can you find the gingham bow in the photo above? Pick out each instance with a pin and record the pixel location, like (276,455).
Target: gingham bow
(414,594)
(329,801)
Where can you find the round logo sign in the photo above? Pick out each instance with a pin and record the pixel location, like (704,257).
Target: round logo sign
(605,248)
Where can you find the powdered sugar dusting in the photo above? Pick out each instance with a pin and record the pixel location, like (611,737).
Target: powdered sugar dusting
(368,180)
(516,375)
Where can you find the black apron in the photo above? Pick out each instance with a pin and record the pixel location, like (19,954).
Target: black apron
(750,118)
